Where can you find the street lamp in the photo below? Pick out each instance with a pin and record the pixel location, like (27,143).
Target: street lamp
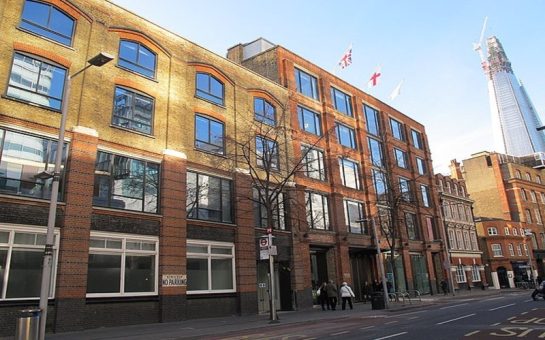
(380,260)
(98,60)
(528,232)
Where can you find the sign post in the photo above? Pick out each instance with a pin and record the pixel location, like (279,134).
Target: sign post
(272,286)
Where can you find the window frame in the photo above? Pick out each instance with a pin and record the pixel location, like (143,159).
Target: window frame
(11,229)
(398,130)
(209,256)
(322,169)
(35,93)
(496,250)
(402,160)
(352,144)
(261,157)
(223,181)
(460,274)
(421,166)
(317,120)
(206,94)
(48,28)
(342,169)
(123,251)
(412,226)
(313,82)
(133,96)
(425,193)
(208,142)
(492,231)
(351,223)
(345,98)
(373,126)
(263,118)
(418,141)
(310,212)
(260,213)
(134,65)
(407,195)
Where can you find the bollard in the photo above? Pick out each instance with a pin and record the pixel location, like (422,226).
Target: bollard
(28,325)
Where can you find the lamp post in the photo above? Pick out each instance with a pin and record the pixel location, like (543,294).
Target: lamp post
(380,260)
(98,60)
(528,233)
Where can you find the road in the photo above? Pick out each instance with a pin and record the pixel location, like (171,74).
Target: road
(508,316)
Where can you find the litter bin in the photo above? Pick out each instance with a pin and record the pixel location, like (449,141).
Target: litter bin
(377,301)
(28,325)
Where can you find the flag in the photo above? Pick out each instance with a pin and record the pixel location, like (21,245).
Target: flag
(346,59)
(397,91)
(375,77)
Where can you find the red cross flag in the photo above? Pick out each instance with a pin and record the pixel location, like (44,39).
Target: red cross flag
(375,78)
(346,59)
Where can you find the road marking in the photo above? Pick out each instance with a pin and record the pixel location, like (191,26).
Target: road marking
(523,313)
(420,311)
(511,318)
(472,333)
(390,322)
(500,307)
(339,333)
(461,317)
(496,298)
(413,317)
(462,304)
(391,336)
(363,328)
(495,324)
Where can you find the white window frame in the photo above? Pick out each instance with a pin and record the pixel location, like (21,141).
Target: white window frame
(452,239)
(533,196)
(515,232)
(525,246)
(209,256)
(492,231)
(511,249)
(475,273)
(10,246)
(467,241)
(124,252)
(460,239)
(496,250)
(538,216)
(506,231)
(460,274)
(474,243)
(519,250)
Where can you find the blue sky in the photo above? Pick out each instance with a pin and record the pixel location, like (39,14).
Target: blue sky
(427,43)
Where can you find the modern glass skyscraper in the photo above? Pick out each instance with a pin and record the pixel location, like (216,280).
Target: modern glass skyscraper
(514,119)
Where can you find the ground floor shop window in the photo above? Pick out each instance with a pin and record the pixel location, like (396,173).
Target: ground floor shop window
(210,267)
(475,273)
(420,273)
(460,274)
(122,265)
(21,259)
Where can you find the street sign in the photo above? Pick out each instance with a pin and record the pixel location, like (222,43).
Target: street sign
(264,254)
(264,242)
(269,230)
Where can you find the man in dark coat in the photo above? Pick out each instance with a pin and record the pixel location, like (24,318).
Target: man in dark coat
(332,294)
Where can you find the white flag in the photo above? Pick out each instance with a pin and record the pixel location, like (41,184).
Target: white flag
(397,91)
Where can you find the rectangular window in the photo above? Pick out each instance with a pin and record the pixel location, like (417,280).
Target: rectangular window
(424,191)
(475,273)
(380,183)
(353,214)
(460,239)
(210,267)
(23,161)
(519,250)
(126,183)
(264,111)
(317,211)
(421,166)
(528,216)
(492,231)
(452,239)
(47,21)
(345,135)
(341,102)
(306,84)
(417,139)
(209,198)
(21,259)
(275,205)
(401,158)
(412,226)
(538,216)
(511,249)
(372,120)
(460,274)
(474,244)
(266,153)
(133,111)
(397,129)
(209,135)
(309,120)
(313,163)
(525,249)
(35,81)
(122,265)
(375,149)
(467,241)
(496,250)
(349,173)
(405,189)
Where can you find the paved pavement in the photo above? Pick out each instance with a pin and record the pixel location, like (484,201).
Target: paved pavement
(211,326)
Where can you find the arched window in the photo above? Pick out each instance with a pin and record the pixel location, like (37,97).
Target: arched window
(48,21)
(264,111)
(209,88)
(517,174)
(138,58)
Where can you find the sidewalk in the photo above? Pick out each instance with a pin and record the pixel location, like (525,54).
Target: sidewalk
(210,326)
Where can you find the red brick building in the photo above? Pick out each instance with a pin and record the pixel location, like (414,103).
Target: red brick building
(509,204)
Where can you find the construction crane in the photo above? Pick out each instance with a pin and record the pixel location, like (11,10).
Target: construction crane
(477,47)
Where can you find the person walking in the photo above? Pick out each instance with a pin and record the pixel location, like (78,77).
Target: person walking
(346,295)
(322,296)
(331,290)
(444,286)
(366,291)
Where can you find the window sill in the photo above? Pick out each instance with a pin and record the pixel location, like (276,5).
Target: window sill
(30,199)
(48,39)
(222,155)
(210,295)
(129,212)
(31,104)
(118,299)
(133,131)
(137,74)
(228,224)
(211,102)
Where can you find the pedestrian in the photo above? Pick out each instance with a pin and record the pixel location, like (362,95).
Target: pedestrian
(322,296)
(444,287)
(366,291)
(331,290)
(346,295)
(539,289)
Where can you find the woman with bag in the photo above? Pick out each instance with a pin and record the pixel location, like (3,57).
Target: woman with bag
(322,296)
(346,294)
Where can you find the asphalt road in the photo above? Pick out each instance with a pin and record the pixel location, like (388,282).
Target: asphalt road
(508,316)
